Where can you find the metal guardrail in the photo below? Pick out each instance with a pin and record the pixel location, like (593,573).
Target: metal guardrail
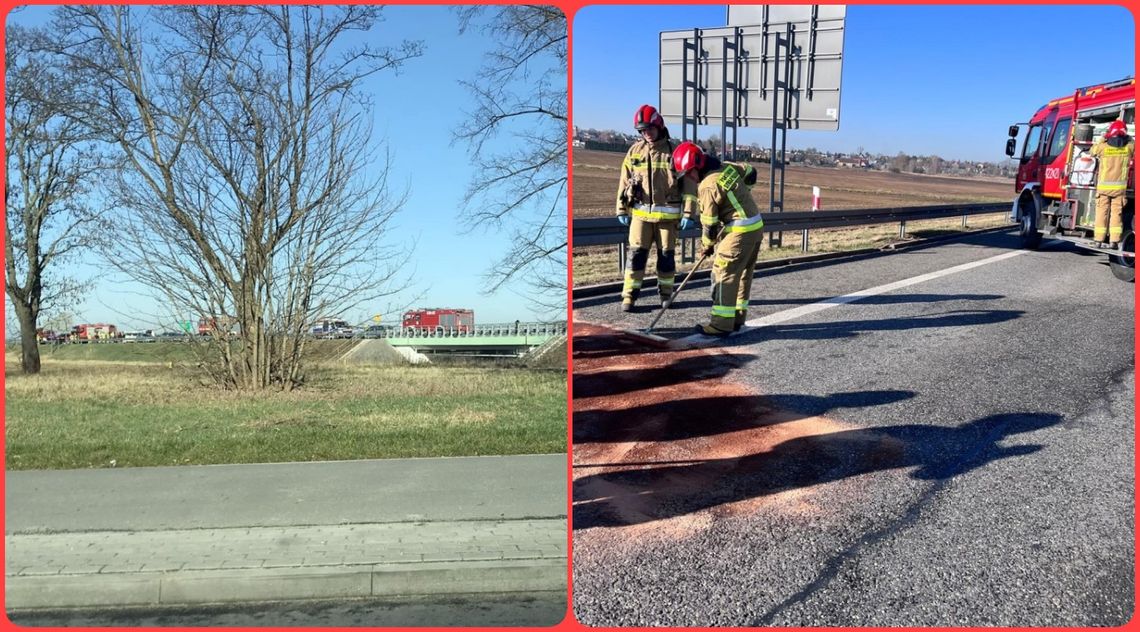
(478,331)
(603,231)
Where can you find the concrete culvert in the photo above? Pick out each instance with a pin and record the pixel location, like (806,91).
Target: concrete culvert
(379,352)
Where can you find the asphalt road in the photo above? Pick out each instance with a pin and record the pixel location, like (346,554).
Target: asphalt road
(273,494)
(497,610)
(958,451)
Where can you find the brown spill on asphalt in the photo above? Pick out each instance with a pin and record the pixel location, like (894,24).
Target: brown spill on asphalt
(666,442)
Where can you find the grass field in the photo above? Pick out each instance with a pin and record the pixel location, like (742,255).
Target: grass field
(595,177)
(84,413)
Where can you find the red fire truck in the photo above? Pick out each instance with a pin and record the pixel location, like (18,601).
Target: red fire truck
(210,325)
(1056,180)
(94,331)
(433,318)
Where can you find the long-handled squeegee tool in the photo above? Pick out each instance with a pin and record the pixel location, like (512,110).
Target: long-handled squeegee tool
(645,335)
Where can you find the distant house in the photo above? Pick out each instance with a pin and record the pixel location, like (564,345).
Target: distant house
(850,163)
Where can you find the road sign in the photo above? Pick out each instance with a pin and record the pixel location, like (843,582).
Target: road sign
(747,14)
(729,72)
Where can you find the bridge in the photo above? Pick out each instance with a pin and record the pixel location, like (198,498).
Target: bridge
(505,339)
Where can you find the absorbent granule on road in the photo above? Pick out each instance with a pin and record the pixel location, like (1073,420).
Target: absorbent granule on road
(666,443)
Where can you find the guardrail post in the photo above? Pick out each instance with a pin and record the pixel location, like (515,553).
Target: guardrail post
(964,221)
(804,241)
(621,258)
(902,229)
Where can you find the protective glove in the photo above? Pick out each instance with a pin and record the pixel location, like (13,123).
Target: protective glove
(708,250)
(687,223)
(624,219)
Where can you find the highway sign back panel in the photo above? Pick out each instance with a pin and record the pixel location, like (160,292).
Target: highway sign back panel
(816,71)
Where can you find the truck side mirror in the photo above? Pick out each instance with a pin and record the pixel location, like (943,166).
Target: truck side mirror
(1013,130)
(1010,147)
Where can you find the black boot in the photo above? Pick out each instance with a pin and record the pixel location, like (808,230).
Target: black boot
(709,330)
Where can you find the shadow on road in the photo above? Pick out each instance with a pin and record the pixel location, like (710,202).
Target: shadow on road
(689,418)
(681,371)
(851,328)
(644,495)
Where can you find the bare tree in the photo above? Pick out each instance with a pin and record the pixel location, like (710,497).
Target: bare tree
(520,93)
(716,145)
(48,168)
(250,192)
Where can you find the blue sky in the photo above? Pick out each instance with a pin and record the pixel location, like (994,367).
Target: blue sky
(944,80)
(415,113)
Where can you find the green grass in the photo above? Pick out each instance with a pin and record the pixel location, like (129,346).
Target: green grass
(90,414)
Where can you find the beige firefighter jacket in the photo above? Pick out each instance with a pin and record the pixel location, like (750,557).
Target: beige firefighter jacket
(1112,174)
(648,188)
(724,198)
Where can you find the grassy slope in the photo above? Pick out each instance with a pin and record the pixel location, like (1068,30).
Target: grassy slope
(86,414)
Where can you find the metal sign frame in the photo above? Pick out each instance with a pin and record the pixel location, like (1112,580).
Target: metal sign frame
(763,58)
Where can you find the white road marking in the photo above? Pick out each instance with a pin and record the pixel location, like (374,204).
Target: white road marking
(835,301)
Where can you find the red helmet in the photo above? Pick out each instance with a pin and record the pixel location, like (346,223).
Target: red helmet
(1116,128)
(647,116)
(688,156)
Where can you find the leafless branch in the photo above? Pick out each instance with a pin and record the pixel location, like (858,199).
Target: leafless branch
(251,193)
(520,93)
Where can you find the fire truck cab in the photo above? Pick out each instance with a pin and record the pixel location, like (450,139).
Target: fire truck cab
(1056,177)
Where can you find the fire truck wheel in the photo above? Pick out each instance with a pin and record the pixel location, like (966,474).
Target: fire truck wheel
(1027,233)
(1124,268)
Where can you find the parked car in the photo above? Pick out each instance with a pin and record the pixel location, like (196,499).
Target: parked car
(378,331)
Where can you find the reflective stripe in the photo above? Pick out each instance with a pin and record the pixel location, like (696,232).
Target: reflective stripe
(662,164)
(688,197)
(741,305)
(1115,151)
(1106,186)
(709,220)
(755,222)
(656,211)
(632,283)
(724,311)
(736,205)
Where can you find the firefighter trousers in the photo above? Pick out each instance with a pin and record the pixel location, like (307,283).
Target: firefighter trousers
(642,235)
(733,267)
(1109,215)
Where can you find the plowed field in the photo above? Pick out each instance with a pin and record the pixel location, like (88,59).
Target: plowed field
(595,182)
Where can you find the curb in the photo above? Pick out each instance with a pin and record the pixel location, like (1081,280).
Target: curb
(283,584)
(602,289)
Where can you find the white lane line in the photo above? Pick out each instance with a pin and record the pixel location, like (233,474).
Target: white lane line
(835,301)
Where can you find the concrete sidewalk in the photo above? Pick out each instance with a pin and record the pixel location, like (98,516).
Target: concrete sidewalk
(153,536)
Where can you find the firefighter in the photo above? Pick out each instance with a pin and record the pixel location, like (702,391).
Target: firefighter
(730,229)
(1114,155)
(652,203)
